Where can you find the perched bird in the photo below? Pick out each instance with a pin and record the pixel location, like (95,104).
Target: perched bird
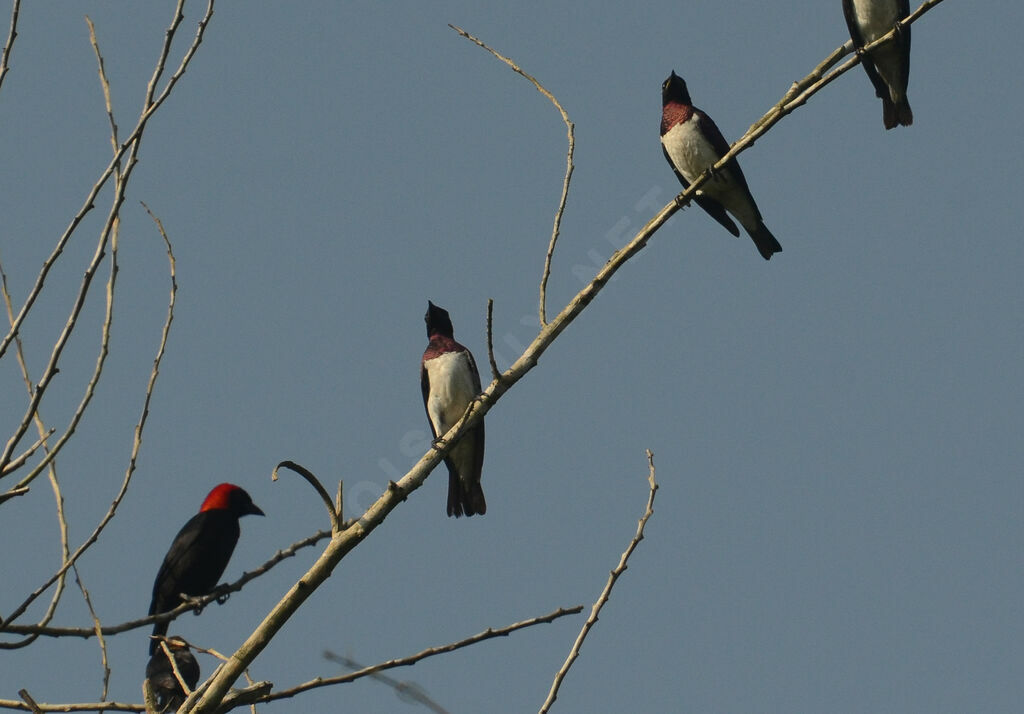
(888,66)
(692,144)
(200,552)
(450,381)
(165,686)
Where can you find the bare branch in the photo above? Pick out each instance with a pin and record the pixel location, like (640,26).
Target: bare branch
(13,493)
(404,689)
(430,652)
(195,604)
(570,133)
(9,44)
(18,462)
(98,629)
(151,106)
(104,83)
(137,443)
(54,483)
(606,593)
(317,486)
(77,707)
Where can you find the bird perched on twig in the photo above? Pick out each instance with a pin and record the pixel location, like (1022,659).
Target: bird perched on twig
(693,144)
(888,65)
(450,381)
(200,552)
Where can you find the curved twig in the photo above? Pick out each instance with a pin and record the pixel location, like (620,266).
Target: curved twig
(571,136)
(317,486)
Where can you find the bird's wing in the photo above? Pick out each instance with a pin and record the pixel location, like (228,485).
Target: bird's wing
(478,431)
(425,387)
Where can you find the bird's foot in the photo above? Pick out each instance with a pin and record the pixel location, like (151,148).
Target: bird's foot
(197,602)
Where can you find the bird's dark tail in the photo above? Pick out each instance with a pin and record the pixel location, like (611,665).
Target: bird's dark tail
(896,113)
(465,499)
(159,628)
(766,244)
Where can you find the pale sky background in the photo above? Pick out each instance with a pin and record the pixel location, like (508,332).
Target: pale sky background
(837,432)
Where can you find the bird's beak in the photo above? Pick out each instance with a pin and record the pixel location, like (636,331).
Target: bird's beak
(254,510)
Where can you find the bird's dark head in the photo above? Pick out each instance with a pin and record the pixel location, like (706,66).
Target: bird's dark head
(674,90)
(229,497)
(438,322)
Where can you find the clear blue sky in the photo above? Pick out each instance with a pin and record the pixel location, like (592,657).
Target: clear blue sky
(837,432)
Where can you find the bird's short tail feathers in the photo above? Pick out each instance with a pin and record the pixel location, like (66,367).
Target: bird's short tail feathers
(896,113)
(159,628)
(765,241)
(463,500)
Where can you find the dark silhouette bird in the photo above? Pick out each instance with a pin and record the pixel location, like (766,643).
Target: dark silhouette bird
(888,65)
(450,381)
(692,144)
(165,686)
(200,552)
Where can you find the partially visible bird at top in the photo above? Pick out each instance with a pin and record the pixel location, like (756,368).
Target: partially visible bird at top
(692,144)
(888,65)
(450,381)
(200,552)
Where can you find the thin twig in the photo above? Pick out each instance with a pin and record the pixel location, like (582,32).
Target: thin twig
(98,629)
(17,462)
(9,44)
(606,593)
(570,134)
(317,486)
(404,689)
(430,652)
(14,492)
(136,445)
(196,603)
(76,707)
(105,83)
(122,177)
(44,433)
(151,107)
